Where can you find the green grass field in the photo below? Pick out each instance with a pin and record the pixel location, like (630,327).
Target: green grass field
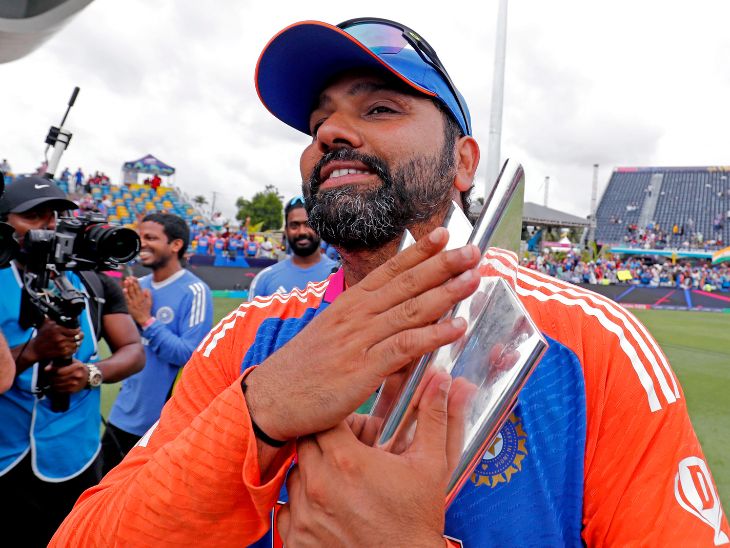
(696,344)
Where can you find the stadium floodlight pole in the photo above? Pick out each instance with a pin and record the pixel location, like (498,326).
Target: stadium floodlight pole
(594,199)
(494,162)
(59,139)
(546,191)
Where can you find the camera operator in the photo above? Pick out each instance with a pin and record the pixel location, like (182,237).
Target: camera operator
(48,458)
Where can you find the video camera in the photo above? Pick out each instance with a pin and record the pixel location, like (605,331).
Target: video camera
(79,243)
(86,242)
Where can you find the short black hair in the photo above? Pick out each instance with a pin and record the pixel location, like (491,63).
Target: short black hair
(174,227)
(292,204)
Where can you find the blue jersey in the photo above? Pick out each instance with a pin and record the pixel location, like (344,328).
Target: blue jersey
(183,309)
(285,276)
(62,445)
(251,248)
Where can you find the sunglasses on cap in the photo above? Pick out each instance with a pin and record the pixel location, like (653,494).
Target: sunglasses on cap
(296,200)
(385,36)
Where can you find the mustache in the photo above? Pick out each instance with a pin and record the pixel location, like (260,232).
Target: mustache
(373,163)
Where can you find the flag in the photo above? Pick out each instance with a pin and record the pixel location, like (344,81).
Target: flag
(721,256)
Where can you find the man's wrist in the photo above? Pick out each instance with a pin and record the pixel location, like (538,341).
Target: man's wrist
(27,355)
(144,323)
(257,409)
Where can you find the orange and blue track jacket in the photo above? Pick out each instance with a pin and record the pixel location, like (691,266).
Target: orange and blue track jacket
(598,451)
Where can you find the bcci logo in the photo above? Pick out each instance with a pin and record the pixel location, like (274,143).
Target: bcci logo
(165,314)
(504,456)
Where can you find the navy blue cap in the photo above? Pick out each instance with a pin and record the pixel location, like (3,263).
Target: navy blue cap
(25,193)
(300,60)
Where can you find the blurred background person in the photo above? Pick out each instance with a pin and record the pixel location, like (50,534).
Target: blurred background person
(305,264)
(173,310)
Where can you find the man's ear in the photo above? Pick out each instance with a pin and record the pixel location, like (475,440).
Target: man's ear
(467,160)
(176,245)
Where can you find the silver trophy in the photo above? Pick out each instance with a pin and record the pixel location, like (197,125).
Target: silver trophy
(499,351)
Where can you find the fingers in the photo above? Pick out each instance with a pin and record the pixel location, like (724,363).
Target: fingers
(431,430)
(364,427)
(433,304)
(335,439)
(403,347)
(131,288)
(429,274)
(461,397)
(69,378)
(410,257)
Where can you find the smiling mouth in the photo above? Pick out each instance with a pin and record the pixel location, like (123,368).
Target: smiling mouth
(346,176)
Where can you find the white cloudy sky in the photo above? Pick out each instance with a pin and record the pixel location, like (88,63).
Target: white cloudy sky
(616,83)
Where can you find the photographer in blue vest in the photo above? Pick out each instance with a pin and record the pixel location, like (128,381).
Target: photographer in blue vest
(48,458)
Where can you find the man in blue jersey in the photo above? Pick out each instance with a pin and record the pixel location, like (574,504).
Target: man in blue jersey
(305,264)
(48,458)
(598,451)
(173,310)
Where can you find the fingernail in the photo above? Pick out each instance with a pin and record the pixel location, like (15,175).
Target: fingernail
(445,386)
(465,276)
(436,235)
(458,323)
(467,251)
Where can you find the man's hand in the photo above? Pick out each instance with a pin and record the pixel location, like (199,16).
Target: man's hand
(344,493)
(372,330)
(68,379)
(139,301)
(53,341)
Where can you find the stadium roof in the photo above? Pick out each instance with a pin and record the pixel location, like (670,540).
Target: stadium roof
(25,24)
(540,215)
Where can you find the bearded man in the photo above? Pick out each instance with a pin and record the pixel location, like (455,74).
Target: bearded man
(305,264)
(599,449)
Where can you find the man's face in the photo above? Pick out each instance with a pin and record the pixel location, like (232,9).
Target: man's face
(377,163)
(156,250)
(302,239)
(41,217)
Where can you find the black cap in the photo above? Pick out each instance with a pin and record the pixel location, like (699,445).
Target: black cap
(25,193)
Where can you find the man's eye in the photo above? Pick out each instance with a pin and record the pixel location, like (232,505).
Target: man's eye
(380,109)
(315,128)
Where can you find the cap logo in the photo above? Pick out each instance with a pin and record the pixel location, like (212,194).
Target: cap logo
(41,186)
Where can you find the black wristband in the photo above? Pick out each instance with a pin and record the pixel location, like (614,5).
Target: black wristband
(260,434)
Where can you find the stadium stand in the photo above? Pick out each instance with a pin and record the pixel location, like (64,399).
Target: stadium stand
(696,199)
(129,202)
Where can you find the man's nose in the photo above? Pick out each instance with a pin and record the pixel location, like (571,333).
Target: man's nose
(337,131)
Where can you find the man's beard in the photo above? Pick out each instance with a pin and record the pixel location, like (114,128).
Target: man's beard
(305,251)
(157,262)
(353,218)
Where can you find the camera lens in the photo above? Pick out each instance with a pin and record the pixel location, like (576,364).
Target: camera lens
(117,244)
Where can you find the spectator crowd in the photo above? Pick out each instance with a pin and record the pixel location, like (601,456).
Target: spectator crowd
(632,271)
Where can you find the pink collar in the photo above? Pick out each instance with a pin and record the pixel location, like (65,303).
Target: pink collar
(335,287)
